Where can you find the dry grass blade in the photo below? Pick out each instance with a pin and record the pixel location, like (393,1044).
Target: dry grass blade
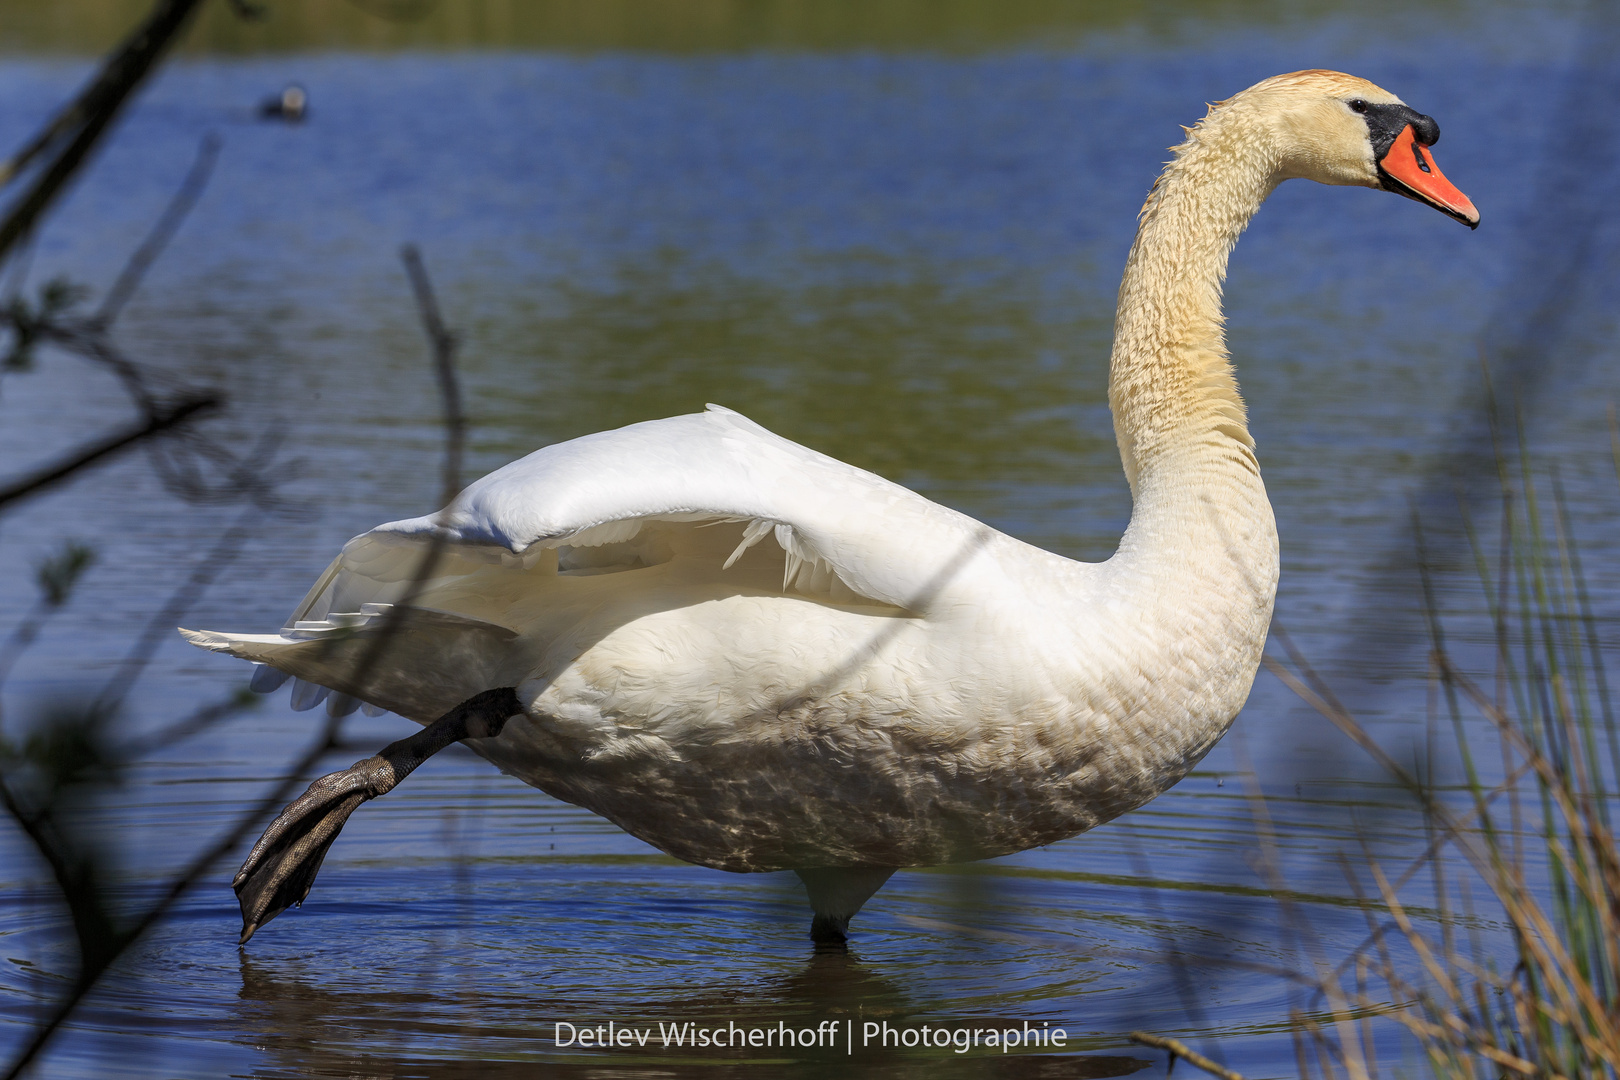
(1550,869)
(1179,1049)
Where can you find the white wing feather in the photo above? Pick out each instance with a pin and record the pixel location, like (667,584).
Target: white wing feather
(881,540)
(848,537)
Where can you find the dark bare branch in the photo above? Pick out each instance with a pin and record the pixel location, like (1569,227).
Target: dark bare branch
(177,888)
(86,119)
(163,420)
(89,343)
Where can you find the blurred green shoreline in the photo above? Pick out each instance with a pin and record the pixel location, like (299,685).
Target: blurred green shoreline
(89,27)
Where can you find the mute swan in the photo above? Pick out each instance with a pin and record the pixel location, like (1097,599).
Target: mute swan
(755,657)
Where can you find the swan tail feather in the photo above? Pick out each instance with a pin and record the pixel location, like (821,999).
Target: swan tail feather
(430,661)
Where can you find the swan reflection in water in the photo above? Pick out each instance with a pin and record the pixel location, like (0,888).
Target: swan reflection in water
(301,1029)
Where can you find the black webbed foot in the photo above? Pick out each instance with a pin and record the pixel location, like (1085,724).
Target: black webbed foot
(281,868)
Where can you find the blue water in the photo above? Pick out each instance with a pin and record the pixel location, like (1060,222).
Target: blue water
(906,260)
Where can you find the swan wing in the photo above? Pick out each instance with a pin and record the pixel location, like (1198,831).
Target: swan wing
(882,541)
(495,599)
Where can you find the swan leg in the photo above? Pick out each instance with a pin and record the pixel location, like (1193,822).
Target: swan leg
(836,894)
(281,868)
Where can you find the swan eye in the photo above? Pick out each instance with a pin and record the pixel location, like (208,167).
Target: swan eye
(1357,106)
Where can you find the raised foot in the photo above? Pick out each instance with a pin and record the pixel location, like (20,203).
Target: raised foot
(281,868)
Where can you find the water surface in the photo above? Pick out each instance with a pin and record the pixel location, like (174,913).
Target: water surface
(904,257)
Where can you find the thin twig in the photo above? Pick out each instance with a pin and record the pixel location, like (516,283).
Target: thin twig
(173,217)
(161,625)
(444,345)
(198,721)
(1173,956)
(1181,1050)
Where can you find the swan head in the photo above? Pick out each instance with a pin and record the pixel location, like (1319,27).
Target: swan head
(1338,129)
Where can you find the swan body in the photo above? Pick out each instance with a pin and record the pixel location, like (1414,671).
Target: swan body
(756,657)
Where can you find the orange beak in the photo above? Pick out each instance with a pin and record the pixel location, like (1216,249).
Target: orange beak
(1408,169)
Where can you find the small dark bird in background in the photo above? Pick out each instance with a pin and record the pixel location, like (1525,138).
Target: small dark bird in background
(291,105)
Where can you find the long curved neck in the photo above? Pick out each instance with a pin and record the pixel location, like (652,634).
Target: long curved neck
(1180,422)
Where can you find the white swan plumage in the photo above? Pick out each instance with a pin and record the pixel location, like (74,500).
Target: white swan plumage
(756,657)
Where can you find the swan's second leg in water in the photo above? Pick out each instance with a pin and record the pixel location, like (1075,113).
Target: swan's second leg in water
(836,894)
(281,868)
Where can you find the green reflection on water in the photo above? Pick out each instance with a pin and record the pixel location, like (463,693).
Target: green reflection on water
(82,26)
(912,376)
(990,397)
